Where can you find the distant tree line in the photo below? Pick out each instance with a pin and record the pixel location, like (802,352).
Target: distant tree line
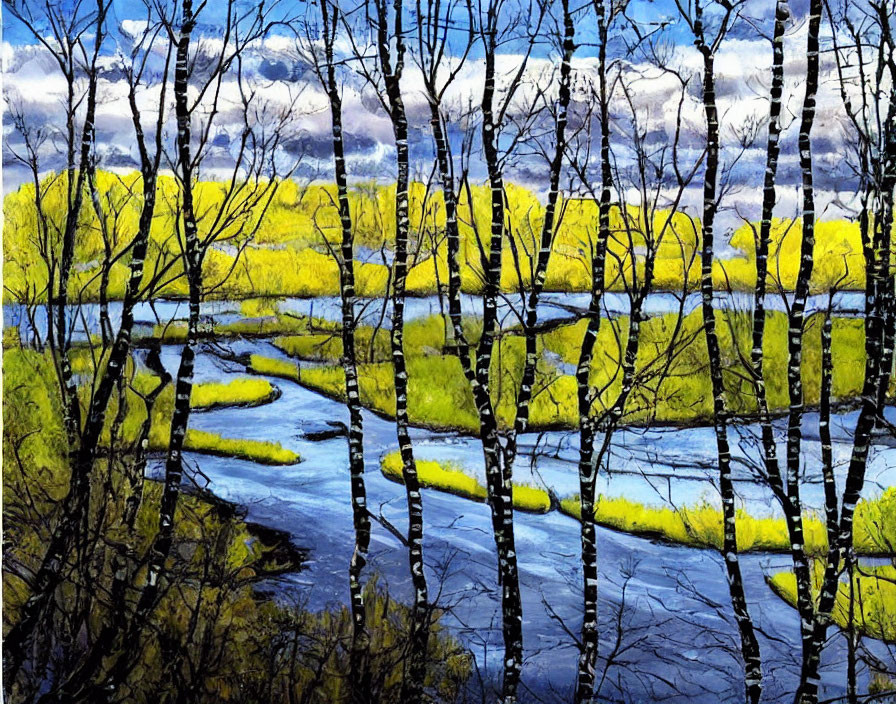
(584,123)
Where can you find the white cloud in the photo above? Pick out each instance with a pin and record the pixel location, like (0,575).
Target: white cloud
(280,79)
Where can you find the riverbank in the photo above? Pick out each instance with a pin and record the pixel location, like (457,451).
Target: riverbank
(289,257)
(228,596)
(671,583)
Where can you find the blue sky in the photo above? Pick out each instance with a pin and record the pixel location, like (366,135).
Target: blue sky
(278,70)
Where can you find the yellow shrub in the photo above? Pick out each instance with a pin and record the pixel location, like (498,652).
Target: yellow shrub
(239,392)
(274,367)
(701,525)
(450,477)
(873,592)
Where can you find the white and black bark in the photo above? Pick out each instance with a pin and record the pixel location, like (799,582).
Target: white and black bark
(548,230)
(76,503)
(795,326)
(749,643)
(183,386)
(588,467)
(763,243)
(873,119)
(360,647)
(391,65)
(476,363)
(499,479)
(432,47)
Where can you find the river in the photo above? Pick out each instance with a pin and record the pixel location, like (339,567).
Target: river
(675,635)
(370,311)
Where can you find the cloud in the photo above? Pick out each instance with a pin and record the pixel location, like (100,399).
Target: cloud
(282,79)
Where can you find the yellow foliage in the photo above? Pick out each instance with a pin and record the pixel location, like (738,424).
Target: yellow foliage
(873,597)
(267,366)
(291,253)
(701,525)
(239,392)
(443,476)
(451,477)
(838,258)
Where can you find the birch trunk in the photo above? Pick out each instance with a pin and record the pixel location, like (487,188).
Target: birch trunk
(587,466)
(879,322)
(158,553)
(749,644)
(824,428)
(549,226)
(477,371)
(498,481)
(757,358)
(795,325)
(83,455)
(360,647)
(412,685)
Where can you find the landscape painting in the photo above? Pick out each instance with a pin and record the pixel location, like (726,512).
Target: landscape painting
(449,351)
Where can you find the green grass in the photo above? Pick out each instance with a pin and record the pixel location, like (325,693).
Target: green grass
(264,326)
(271,453)
(435,398)
(434,475)
(268,366)
(881,684)
(874,524)
(683,393)
(701,525)
(322,342)
(439,395)
(239,392)
(874,603)
(696,526)
(315,347)
(290,256)
(451,477)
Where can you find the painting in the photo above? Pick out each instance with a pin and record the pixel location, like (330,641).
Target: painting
(449,351)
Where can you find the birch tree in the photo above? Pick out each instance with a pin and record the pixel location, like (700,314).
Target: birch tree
(326,68)
(68,42)
(382,64)
(434,29)
(587,465)
(863,46)
(795,324)
(249,191)
(787,488)
(390,63)
(707,42)
(763,242)
(496,26)
(650,182)
(199,228)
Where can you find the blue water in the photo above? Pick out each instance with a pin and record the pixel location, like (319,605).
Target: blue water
(677,630)
(552,306)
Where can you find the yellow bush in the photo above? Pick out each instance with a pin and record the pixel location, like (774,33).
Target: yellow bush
(290,253)
(874,598)
(445,477)
(451,477)
(274,367)
(239,392)
(531,498)
(701,525)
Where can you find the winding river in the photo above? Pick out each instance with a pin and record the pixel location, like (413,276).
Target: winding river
(674,637)
(374,311)
(667,629)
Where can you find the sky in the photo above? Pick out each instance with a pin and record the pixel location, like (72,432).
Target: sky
(281,77)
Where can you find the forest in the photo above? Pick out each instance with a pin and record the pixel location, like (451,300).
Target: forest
(501,351)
